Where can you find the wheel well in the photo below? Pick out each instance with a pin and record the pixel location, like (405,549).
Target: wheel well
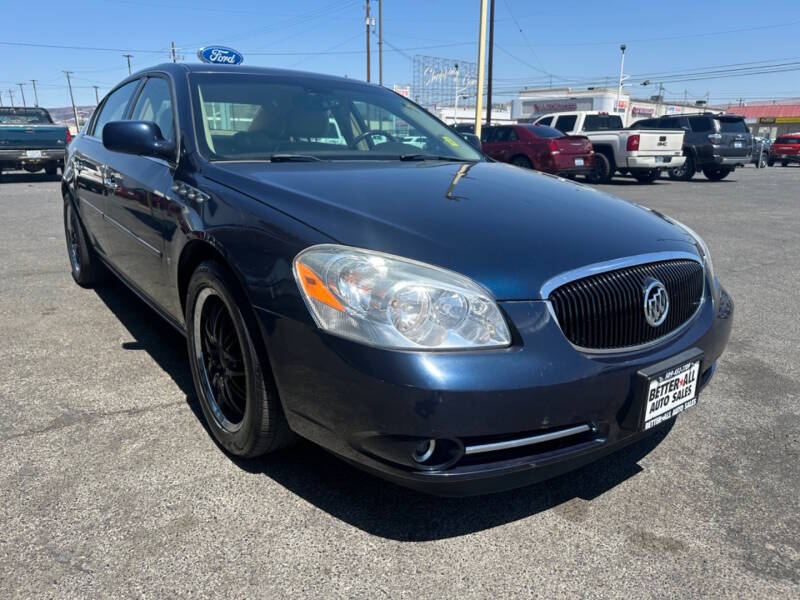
(521,155)
(606,151)
(194,253)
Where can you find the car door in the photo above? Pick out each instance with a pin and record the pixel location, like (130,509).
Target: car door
(500,144)
(138,186)
(89,165)
(700,127)
(488,135)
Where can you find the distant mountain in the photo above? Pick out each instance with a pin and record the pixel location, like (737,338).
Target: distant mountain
(63,115)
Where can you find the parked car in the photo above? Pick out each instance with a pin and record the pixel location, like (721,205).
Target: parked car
(643,154)
(538,147)
(761,146)
(714,143)
(451,323)
(30,141)
(785,150)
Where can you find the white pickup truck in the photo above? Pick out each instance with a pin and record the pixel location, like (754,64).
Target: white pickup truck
(642,153)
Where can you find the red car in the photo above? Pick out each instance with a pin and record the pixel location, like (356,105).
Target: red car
(785,150)
(539,147)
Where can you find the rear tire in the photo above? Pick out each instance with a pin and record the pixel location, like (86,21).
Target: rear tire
(237,395)
(770,162)
(51,170)
(716,173)
(648,176)
(602,169)
(521,161)
(784,163)
(685,172)
(86,268)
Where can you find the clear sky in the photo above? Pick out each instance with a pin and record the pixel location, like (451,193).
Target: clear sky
(572,40)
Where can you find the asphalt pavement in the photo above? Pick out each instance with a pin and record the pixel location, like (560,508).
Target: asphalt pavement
(110,485)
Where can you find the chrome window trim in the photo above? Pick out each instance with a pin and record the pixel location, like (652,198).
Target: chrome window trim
(621,263)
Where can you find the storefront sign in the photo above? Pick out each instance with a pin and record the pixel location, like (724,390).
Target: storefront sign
(642,110)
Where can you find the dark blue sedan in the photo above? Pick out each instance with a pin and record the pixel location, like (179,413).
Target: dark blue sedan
(452,324)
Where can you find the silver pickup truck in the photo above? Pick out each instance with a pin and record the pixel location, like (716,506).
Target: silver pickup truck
(643,154)
(30,141)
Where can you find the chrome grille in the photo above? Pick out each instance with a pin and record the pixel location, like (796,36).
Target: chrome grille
(605,311)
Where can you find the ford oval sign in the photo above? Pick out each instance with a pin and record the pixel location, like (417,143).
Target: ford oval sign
(220,55)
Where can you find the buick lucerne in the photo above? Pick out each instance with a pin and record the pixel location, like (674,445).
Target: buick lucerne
(452,324)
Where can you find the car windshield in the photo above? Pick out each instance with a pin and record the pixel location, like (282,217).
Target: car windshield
(24,116)
(265,117)
(543,131)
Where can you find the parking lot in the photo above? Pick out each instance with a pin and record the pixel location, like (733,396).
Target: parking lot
(110,485)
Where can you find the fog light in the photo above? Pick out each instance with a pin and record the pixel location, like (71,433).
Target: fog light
(424,450)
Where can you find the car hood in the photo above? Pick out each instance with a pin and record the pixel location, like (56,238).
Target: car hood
(507,228)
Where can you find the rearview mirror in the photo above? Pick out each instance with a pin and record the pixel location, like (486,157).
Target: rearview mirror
(472,139)
(142,138)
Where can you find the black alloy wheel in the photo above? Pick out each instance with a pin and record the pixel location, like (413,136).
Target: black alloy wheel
(85,266)
(716,173)
(602,169)
(231,376)
(685,172)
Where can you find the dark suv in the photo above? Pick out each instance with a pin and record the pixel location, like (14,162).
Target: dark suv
(714,144)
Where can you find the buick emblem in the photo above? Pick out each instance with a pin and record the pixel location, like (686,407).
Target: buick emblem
(656,303)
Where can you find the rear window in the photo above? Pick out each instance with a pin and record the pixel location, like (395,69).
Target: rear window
(544,132)
(645,124)
(546,121)
(601,122)
(24,116)
(787,140)
(732,126)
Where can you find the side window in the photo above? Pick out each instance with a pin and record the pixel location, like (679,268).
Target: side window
(487,134)
(546,121)
(566,123)
(502,134)
(512,135)
(700,124)
(667,123)
(115,107)
(155,104)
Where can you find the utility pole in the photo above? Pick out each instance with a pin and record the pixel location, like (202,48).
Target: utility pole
(366,22)
(1,99)
(35,93)
(621,68)
(72,98)
(96,97)
(380,42)
(22,91)
(491,60)
(481,67)
(455,100)
(660,97)
(11,95)
(685,96)
(129,56)
(172,47)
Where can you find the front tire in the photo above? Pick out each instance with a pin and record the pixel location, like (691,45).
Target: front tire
(784,163)
(716,173)
(51,170)
(685,172)
(84,264)
(648,176)
(521,161)
(236,393)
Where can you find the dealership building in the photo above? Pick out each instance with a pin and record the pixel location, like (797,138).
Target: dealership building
(769,119)
(533,103)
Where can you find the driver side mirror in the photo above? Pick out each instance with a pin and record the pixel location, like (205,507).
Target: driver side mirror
(472,139)
(141,138)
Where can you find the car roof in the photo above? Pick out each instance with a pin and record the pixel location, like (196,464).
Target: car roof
(179,69)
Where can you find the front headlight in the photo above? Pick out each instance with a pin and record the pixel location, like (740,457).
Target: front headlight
(393,302)
(701,246)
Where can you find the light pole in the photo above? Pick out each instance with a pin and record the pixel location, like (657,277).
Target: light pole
(129,56)
(96,97)
(621,67)
(22,91)
(72,98)
(481,66)
(35,93)
(11,95)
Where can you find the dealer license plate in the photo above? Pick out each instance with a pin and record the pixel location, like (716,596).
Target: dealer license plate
(784,156)
(661,159)
(737,144)
(670,393)
(33,153)
(578,162)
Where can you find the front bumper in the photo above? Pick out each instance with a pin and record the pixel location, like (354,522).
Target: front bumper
(370,405)
(655,162)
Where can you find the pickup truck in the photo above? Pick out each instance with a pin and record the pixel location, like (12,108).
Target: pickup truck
(29,140)
(641,153)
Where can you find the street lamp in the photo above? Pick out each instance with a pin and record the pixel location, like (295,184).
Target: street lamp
(621,67)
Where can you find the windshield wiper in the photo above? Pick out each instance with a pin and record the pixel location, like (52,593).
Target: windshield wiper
(294,158)
(409,157)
